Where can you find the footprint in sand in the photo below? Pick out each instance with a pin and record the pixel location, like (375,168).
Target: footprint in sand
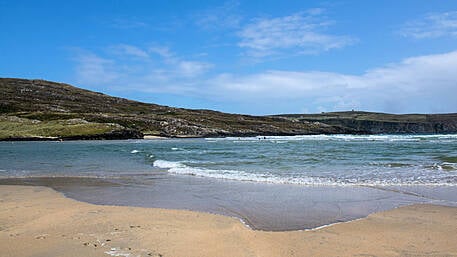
(41,236)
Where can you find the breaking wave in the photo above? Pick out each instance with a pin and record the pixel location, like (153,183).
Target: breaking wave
(342,137)
(238,175)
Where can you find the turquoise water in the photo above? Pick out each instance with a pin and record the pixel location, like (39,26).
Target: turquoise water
(304,160)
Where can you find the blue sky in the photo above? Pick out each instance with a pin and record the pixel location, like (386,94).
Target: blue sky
(253,57)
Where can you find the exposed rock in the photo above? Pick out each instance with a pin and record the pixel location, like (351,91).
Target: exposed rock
(118,134)
(383,123)
(44,101)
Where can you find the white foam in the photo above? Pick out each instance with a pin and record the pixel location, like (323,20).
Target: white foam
(342,137)
(182,169)
(167,164)
(179,168)
(118,252)
(135,151)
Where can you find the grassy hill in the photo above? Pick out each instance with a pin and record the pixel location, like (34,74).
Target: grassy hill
(39,109)
(44,110)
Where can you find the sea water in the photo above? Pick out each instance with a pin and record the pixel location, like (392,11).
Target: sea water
(273,183)
(302,160)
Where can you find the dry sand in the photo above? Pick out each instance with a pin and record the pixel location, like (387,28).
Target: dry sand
(37,221)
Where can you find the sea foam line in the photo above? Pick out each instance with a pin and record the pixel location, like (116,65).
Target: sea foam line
(182,169)
(341,137)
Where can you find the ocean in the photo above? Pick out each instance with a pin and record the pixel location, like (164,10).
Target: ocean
(271,183)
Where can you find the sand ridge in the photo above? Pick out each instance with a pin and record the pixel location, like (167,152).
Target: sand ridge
(38,221)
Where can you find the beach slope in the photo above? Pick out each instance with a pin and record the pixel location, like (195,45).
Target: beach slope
(38,221)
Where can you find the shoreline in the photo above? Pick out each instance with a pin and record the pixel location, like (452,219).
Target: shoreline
(39,221)
(246,223)
(130,135)
(262,209)
(308,208)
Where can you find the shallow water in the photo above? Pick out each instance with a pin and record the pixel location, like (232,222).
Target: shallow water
(264,206)
(272,183)
(305,160)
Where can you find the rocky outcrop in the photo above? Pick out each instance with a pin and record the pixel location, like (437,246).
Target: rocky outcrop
(113,135)
(382,123)
(389,127)
(29,139)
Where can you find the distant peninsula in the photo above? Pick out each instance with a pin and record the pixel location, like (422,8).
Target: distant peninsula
(45,110)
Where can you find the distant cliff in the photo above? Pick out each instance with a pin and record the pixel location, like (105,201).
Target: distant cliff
(378,123)
(44,110)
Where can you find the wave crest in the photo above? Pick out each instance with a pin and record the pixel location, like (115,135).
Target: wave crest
(238,175)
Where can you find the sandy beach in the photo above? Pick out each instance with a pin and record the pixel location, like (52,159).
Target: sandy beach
(38,221)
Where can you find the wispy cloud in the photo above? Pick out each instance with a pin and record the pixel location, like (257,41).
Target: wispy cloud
(181,67)
(129,67)
(432,26)
(128,23)
(95,69)
(192,68)
(225,16)
(416,84)
(302,33)
(129,50)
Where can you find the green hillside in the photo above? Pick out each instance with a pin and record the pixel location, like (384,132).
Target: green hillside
(39,108)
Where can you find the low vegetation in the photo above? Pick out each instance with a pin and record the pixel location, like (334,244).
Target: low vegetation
(15,127)
(39,108)
(39,103)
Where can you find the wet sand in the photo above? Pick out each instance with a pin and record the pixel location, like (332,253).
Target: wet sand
(38,221)
(270,207)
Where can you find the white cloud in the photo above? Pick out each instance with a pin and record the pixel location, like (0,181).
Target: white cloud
(432,26)
(128,67)
(95,69)
(424,83)
(192,68)
(181,67)
(418,84)
(302,32)
(129,50)
(163,51)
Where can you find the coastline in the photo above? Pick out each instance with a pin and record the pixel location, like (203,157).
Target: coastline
(261,206)
(38,221)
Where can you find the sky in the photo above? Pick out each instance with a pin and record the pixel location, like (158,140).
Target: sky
(250,57)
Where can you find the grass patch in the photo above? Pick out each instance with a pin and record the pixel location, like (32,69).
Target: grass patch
(12,126)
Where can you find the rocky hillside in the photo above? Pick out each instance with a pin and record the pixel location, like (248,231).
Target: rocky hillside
(376,123)
(38,109)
